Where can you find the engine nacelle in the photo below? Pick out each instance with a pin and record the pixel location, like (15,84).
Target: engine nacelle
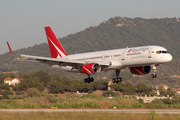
(90,68)
(140,70)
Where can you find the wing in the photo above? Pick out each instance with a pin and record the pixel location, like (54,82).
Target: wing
(56,61)
(61,61)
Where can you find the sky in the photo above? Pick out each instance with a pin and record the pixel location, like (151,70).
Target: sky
(22,22)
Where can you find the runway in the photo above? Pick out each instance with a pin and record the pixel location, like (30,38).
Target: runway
(131,111)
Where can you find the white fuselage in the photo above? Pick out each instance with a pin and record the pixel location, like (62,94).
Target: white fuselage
(122,58)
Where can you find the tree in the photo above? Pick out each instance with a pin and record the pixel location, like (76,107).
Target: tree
(42,76)
(4,86)
(32,92)
(152,93)
(162,90)
(142,88)
(56,87)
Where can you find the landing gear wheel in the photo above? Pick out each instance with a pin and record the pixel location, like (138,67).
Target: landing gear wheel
(154,75)
(113,80)
(85,80)
(91,79)
(117,79)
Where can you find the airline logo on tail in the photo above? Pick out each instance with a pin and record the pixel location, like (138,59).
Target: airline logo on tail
(55,47)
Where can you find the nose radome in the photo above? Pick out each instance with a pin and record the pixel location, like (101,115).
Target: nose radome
(169,58)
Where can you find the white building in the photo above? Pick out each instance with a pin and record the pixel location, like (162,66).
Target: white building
(11,81)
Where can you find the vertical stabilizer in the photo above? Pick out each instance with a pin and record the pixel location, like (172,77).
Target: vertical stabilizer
(55,47)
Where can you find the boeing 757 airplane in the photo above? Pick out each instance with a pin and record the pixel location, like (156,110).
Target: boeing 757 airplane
(140,60)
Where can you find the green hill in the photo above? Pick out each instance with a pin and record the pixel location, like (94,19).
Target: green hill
(114,33)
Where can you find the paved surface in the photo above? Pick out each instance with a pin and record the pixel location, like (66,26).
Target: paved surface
(132,111)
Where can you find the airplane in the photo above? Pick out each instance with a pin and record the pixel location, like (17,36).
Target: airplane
(140,60)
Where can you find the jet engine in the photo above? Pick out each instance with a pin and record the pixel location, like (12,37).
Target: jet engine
(90,68)
(140,70)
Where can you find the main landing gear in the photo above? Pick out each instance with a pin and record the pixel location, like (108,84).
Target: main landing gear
(154,75)
(117,79)
(88,79)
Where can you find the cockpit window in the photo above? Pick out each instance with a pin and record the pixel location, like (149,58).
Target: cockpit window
(159,52)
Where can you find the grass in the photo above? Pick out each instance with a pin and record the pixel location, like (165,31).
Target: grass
(85,101)
(82,116)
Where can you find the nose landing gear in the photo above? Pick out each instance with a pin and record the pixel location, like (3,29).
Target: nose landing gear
(154,75)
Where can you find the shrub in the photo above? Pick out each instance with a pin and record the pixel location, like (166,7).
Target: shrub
(20,93)
(175,100)
(8,92)
(91,96)
(157,101)
(5,96)
(166,101)
(33,92)
(1,97)
(138,105)
(4,86)
(140,100)
(16,96)
(85,104)
(43,94)
(109,92)
(11,85)
(154,115)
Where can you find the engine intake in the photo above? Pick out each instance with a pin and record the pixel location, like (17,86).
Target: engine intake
(90,68)
(140,70)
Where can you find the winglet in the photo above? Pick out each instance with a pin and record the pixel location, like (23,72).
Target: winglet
(10,50)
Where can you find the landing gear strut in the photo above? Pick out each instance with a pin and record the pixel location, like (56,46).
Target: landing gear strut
(88,79)
(117,79)
(154,75)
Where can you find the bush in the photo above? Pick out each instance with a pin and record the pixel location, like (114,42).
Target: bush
(154,115)
(140,100)
(84,104)
(175,100)
(166,101)
(138,105)
(8,92)
(43,94)
(20,93)
(1,97)
(109,92)
(5,94)
(155,106)
(11,85)
(33,92)
(4,86)
(91,96)
(16,96)
(157,101)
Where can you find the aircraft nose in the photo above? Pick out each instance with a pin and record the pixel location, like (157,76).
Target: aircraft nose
(169,58)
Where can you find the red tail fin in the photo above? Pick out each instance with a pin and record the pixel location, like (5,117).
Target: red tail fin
(10,50)
(55,47)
